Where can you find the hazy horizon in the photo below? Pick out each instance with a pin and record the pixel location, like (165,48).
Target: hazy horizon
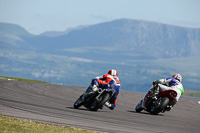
(40,16)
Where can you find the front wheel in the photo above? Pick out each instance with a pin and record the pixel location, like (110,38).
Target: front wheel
(78,102)
(139,108)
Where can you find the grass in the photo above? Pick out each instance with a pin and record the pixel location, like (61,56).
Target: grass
(191,93)
(9,124)
(21,79)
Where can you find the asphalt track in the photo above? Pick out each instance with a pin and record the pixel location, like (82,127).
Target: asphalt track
(54,104)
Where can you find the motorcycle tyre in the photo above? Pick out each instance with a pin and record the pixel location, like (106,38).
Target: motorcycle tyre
(78,102)
(163,103)
(98,104)
(139,108)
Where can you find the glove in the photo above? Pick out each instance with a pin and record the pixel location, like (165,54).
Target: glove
(155,82)
(94,88)
(95,82)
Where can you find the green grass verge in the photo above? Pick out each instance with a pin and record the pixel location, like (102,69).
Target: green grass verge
(9,124)
(191,93)
(21,79)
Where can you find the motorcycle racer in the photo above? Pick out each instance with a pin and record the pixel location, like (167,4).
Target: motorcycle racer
(109,80)
(173,83)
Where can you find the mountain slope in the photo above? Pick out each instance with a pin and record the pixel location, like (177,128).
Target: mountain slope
(128,36)
(140,51)
(13,37)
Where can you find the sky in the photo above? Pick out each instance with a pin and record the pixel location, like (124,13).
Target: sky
(39,16)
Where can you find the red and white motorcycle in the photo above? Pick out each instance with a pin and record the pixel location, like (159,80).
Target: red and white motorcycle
(155,104)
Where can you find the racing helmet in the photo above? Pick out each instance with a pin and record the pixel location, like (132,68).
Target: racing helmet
(113,72)
(177,76)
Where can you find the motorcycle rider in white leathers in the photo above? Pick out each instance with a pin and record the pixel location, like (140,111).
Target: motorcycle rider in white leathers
(173,83)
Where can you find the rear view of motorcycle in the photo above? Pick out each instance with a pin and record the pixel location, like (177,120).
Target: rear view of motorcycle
(156,103)
(94,98)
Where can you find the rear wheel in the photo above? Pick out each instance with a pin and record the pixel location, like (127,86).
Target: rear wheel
(160,106)
(98,103)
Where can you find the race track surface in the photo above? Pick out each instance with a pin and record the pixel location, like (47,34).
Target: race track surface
(54,104)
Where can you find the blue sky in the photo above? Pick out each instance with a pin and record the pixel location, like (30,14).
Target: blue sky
(38,16)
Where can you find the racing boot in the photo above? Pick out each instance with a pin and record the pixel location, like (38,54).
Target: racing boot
(109,105)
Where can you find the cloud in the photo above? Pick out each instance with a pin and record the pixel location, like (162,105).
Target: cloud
(81,59)
(46,74)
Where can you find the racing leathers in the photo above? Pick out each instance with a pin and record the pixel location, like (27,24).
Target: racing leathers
(171,83)
(106,81)
(166,84)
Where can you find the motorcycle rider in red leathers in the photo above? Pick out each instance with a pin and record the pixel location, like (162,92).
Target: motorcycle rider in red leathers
(173,83)
(106,81)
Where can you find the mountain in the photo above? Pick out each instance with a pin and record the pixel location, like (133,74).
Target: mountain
(60,33)
(130,36)
(12,36)
(141,51)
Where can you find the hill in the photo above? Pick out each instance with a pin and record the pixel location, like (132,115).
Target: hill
(126,36)
(141,51)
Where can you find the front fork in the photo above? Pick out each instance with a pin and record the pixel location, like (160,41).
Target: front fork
(151,93)
(86,92)
(90,89)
